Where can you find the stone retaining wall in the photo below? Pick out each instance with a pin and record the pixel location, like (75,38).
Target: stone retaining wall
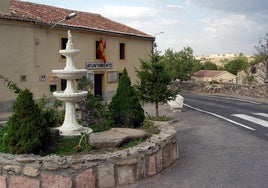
(259,92)
(92,170)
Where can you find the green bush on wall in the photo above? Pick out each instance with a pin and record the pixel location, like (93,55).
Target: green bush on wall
(28,131)
(125,108)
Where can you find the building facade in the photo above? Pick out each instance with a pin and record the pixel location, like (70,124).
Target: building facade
(29,48)
(214,75)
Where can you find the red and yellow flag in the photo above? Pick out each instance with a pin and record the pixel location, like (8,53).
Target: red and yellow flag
(101,50)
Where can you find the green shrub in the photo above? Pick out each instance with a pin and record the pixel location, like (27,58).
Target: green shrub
(94,112)
(28,131)
(125,108)
(52,114)
(3,132)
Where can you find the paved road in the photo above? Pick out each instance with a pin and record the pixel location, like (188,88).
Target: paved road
(247,114)
(213,153)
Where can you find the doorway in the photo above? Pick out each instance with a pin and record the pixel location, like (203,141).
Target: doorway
(98,85)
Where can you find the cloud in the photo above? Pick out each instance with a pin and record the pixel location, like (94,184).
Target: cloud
(126,11)
(234,6)
(233,33)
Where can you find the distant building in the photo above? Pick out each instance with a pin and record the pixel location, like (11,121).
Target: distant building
(219,59)
(29,48)
(214,75)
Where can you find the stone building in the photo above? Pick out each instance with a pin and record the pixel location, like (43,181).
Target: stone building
(214,75)
(29,47)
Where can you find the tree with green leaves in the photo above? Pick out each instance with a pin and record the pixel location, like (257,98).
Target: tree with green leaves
(181,64)
(154,81)
(210,66)
(28,131)
(125,108)
(237,64)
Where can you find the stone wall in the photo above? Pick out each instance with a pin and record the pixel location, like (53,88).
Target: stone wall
(92,170)
(259,92)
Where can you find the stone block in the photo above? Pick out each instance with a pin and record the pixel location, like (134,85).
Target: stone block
(115,137)
(25,159)
(167,155)
(106,175)
(12,169)
(55,181)
(23,182)
(86,179)
(152,165)
(126,174)
(30,171)
(3,182)
(159,166)
(141,167)
(128,161)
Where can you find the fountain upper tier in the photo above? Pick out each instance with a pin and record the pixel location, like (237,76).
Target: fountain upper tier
(70,74)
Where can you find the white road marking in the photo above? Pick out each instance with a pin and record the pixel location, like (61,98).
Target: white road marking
(262,114)
(221,117)
(252,119)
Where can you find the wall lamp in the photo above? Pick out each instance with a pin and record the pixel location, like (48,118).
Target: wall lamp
(70,16)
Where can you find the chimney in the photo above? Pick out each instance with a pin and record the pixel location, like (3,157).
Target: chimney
(5,7)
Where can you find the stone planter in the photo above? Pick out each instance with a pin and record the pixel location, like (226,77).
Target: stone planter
(92,170)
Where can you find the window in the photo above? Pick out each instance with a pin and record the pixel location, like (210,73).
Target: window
(63,45)
(97,46)
(122,50)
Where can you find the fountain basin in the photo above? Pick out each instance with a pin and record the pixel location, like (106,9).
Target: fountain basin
(70,97)
(69,52)
(70,74)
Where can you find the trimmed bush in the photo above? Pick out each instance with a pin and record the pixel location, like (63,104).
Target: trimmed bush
(125,108)
(28,131)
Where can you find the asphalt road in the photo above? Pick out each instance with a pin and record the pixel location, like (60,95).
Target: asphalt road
(247,114)
(214,153)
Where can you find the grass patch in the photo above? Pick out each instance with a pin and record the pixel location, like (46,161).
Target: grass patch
(67,146)
(133,143)
(161,118)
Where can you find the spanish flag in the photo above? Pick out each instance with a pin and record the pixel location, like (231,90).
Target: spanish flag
(101,50)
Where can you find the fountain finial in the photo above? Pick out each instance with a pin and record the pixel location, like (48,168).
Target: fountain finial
(70,44)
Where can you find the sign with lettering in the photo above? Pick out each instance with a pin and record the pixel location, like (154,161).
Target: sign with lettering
(108,65)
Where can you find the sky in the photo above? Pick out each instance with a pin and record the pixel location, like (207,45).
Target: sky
(207,26)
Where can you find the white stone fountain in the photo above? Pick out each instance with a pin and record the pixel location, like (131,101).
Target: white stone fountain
(70,95)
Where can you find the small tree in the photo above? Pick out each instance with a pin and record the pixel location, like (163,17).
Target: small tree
(262,53)
(28,131)
(125,108)
(154,85)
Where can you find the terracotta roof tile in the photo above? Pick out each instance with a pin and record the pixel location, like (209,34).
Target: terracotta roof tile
(48,15)
(208,73)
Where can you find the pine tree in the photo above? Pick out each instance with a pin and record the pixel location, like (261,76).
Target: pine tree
(154,85)
(125,108)
(28,131)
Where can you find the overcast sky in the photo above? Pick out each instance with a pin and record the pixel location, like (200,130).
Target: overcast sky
(207,26)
